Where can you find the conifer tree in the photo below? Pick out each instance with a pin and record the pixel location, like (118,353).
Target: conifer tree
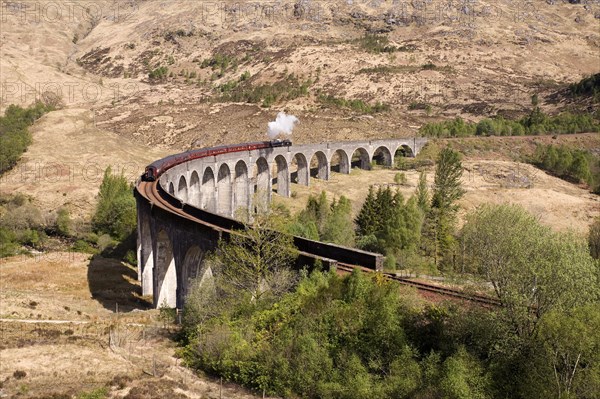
(447,186)
(441,218)
(422,193)
(366,218)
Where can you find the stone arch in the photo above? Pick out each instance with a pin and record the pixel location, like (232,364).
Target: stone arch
(182,189)
(207,190)
(194,189)
(283,176)
(145,254)
(165,291)
(262,185)
(404,151)
(224,191)
(171,189)
(241,196)
(339,162)
(192,265)
(382,156)
(319,166)
(360,159)
(300,173)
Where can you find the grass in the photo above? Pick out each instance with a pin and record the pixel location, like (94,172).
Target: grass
(99,393)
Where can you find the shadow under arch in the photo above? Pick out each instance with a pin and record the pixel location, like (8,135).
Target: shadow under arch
(360,159)
(182,189)
(300,172)
(194,189)
(241,196)
(382,156)
(404,151)
(207,190)
(340,162)
(192,265)
(282,179)
(318,166)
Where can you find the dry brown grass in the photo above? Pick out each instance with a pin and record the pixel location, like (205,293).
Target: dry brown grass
(59,337)
(558,204)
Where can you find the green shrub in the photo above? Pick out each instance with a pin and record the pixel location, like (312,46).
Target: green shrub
(116,210)
(400,178)
(221,62)
(332,337)
(130,257)
(8,243)
(105,241)
(245,76)
(390,262)
(63,222)
(83,246)
(376,44)
(32,238)
(21,224)
(159,73)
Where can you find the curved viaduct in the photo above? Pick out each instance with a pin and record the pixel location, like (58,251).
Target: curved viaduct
(183,214)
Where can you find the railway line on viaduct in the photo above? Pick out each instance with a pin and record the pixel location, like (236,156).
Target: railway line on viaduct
(184,213)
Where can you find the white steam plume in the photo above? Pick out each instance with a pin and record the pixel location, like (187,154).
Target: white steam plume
(283,124)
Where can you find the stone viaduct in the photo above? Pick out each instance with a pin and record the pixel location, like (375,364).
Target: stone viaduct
(192,205)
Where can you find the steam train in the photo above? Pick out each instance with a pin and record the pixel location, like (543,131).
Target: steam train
(156,168)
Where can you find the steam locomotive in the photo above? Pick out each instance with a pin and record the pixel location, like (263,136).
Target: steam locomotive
(156,168)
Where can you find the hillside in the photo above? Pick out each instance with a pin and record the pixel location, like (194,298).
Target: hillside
(179,73)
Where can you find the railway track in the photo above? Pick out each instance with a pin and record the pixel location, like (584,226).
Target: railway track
(481,299)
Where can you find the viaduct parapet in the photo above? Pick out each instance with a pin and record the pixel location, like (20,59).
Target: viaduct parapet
(183,215)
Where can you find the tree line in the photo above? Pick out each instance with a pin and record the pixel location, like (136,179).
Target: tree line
(15,136)
(588,86)
(570,163)
(536,123)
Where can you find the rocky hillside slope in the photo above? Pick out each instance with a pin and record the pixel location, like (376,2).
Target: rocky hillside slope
(180,73)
